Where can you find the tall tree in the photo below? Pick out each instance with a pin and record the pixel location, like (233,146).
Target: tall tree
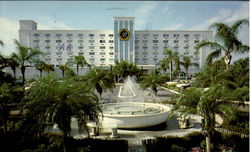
(186,63)
(163,65)
(13,64)
(227,41)
(173,59)
(206,104)
(214,74)
(66,70)
(48,68)
(123,69)
(80,61)
(25,55)
(152,80)
(58,102)
(100,79)
(40,66)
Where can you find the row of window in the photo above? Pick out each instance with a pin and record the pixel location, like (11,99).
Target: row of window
(166,41)
(90,59)
(165,47)
(70,47)
(70,35)
(71,41)
(168,35)
(154,59)
(80,53)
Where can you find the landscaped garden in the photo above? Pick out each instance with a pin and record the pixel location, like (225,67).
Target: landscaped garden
(220,88)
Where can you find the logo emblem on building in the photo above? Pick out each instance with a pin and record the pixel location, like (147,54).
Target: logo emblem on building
(124,34)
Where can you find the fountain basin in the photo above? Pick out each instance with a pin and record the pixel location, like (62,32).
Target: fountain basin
(133,114)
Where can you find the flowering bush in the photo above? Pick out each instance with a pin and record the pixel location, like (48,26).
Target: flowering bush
(197,149)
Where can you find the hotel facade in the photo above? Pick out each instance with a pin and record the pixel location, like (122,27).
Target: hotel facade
(101,47)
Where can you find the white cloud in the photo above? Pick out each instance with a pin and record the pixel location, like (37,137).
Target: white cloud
(143,14)
(8,32)
(225,16)
(174,26)
(47,23)
(165,9)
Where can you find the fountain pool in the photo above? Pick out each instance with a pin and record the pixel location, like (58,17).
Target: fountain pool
(133,114)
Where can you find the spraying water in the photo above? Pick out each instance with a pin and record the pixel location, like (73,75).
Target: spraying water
(130,91)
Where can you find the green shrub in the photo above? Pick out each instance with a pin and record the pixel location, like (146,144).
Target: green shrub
(176,148)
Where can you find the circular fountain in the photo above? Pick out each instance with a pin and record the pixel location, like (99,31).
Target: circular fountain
(132,109)
(133,114)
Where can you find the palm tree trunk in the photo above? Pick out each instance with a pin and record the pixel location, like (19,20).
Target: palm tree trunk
(14,72)
(77,69)
(208,124)
(171,69)
(5,122)
(63,73)
(186,74)
(23,72)
(41,74)
(227,59)
(208,142)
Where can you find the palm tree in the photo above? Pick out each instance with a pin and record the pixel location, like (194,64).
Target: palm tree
(163,65)
(205,104)
(24,55)
(40,66)
(172,58)
(48,68)
(58,102)
(227,41)
(214,74)
(63,68)
(13,64)
(152,80)
(100,79)
(186,63)
(123,69)
(80,61)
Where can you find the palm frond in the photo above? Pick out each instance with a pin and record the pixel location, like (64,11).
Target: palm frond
(1,43)
(215,54)
(237,25)
(212,45)
(242,49)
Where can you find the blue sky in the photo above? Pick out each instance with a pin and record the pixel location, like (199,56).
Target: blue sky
(97,15)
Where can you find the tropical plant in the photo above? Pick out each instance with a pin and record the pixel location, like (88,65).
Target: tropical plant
(40,66)
(123,69)
(173,59)
(152,80)
(66,70)
(13,65)
(163,65)
(24,55)
(80,61)
(186,63)
(49,100)
(227,41)
(206,104)
(6,97)
(240,72)
(214,74)
(100,79)
(48,68)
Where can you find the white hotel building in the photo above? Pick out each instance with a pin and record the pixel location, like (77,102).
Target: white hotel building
(102,47)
